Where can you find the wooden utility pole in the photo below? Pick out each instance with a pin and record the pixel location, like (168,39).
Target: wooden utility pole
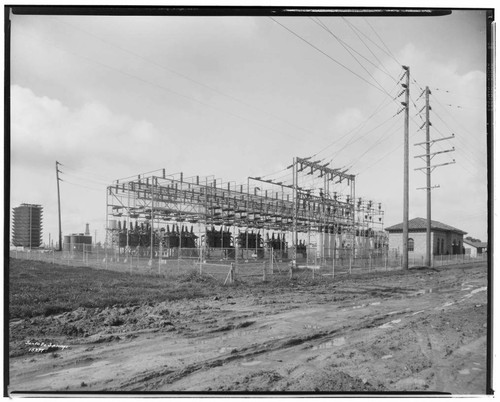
(428,170)
(59,205)
(406,195)
(428,174)
(295,211)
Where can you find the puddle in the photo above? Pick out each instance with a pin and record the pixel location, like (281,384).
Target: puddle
(238,334)
(421,292)
(79,366)
(199,341)
(252,363)
(374,304)
(309,326)
(464,371)
(386,357)
(479,290)
(331,344)
(389,324)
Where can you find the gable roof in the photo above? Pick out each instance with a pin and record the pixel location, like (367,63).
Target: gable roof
(419,224)
(477,244)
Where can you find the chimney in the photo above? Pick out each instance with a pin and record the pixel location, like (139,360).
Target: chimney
(87,231)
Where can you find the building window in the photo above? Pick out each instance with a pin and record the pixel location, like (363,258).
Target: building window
(411,244)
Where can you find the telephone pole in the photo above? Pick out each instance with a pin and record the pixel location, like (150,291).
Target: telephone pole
(428,174)
(406,195)
(428,169)
(59,205)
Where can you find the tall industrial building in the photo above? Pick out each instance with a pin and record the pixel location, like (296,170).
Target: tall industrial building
(27,226)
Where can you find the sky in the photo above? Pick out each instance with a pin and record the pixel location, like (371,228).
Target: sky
(237,97)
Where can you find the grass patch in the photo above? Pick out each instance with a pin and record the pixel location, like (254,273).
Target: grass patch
(40,288)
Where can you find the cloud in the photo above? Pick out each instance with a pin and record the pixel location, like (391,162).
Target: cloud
(90,137)
(44,130)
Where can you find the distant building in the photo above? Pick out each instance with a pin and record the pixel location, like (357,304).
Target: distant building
(27,226)
(445,239)
(473,248)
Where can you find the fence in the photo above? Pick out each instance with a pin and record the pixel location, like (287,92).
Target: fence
(231,265)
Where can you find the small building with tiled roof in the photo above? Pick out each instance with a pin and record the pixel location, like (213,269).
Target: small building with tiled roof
(473,248)
(445,239)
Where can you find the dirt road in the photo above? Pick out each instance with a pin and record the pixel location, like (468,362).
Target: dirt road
(419,331)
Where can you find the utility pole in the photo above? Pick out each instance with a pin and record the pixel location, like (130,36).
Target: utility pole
(406,195)
(295,212)
(59,205)
(428,169)
(428,174)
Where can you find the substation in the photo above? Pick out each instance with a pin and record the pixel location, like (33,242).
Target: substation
(315,218)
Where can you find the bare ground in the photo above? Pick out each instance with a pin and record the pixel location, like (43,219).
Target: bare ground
(423,331)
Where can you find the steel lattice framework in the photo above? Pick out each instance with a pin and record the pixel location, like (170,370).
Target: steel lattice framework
(160,200)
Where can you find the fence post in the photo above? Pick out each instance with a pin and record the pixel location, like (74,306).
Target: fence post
(333,265)
(231,274)
(350,265)
(370,266)
(291,270)
(272,265)
(385,262)
(264,271)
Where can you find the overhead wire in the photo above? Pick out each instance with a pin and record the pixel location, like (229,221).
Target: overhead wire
(379,108)
(166,89)
(364,43)
(328,56)
(323,25)
(373,42)
(186,77)
(381,40)
(381,139)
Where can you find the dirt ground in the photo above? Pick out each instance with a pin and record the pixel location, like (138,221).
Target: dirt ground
(397,332)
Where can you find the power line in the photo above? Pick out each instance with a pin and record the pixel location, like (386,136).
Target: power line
(363,136)
(364,43)
(346,45)
(327,55)
(186,77)
(156,85)
(379,141)
(81,185)
(379,108)
(371,40)
(381,40)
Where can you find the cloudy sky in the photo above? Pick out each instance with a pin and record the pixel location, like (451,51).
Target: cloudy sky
(111,97)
